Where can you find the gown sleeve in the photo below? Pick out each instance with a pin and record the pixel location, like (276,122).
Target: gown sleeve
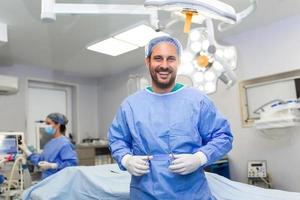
(215,132)
(67,157)
(119,136)
(35,158)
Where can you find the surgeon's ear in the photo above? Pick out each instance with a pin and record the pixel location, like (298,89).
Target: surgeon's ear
(56,126)
(147,61)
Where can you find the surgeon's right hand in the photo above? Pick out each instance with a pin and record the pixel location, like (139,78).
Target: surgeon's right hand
(25,149)
(136,165)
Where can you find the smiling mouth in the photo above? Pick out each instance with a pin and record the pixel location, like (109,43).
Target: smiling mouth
(163,75)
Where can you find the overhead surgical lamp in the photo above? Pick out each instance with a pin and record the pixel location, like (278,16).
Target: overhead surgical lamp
(197,11)
(193,10)
(205,61)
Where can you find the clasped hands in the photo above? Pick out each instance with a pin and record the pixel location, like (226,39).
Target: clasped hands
(182,164)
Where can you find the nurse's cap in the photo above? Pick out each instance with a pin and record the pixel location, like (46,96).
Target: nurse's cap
(155,41)
(58,118)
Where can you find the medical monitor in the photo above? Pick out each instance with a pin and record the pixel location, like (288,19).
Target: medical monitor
(9,142)
(42,138)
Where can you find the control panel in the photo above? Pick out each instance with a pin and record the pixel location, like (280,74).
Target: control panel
(257,169)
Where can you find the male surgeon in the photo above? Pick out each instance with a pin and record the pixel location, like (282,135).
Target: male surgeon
(166,134)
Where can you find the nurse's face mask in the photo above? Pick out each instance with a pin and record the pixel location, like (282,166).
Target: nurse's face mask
(49,128)
(163,65)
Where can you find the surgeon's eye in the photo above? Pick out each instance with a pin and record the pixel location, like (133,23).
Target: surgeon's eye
(171,59)
(158,58)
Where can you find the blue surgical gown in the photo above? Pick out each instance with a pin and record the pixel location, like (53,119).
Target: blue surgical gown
(184,121)
(2,179)
(57,150)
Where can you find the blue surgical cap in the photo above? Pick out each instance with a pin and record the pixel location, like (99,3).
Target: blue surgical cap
(173,41)
(58,118)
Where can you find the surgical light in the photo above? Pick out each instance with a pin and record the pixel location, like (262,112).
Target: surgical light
(229,53)
(198,77)
(186,57)
(220,53)
(202,62)
(210,87)
(196,46)
(217,66)
(209,63)
(195,36)
(205,45)
(209,76)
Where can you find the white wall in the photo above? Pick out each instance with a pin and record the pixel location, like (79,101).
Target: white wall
(112,91)
(264,51)
(13,107)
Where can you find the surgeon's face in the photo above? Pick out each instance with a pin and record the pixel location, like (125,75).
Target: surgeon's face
(163,65)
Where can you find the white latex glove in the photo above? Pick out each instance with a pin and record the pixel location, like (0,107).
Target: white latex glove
(187,163)
(25,149)
(136,165)
(44,165)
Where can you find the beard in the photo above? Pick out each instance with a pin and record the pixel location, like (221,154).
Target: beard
(157,82)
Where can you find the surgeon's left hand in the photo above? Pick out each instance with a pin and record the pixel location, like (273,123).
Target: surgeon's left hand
(44,165)
(187,163)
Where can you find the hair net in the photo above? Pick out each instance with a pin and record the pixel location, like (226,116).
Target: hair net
(58,118)
(149,48)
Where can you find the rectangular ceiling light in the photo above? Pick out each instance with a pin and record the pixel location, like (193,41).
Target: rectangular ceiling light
(139,35)
(113,47)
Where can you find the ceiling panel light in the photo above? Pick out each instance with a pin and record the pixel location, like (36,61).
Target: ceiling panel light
(139,35)
(112,47)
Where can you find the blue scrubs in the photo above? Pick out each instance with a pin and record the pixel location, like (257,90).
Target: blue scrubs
(2,179)
(57,150)
(184,121)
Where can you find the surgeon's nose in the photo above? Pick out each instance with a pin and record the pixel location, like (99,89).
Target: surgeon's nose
(164,64)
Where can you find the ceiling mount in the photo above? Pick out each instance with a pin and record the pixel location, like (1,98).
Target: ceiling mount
(50,9)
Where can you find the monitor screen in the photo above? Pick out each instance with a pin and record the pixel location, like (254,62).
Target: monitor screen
(8,144)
